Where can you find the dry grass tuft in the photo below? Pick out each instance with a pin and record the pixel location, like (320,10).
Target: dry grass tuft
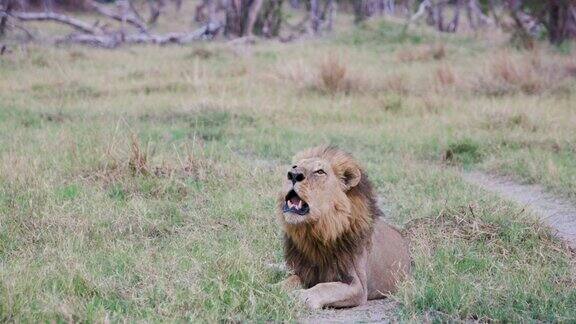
(444,75)
(527,73)
(450,226)
(422,53)
(392,103)
(125,162)
(198,168)
(397,83)
(77,55)
(570,68)
(519,74)
(509,120)
(462,224)
(138,163)
(202,53)
(432,104)
(296,72)
(334,77)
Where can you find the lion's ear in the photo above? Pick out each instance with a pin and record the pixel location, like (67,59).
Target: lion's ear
(351,177)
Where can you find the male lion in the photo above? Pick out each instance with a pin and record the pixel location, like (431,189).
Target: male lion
(335,241)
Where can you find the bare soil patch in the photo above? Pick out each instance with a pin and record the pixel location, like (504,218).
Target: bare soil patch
(374,311)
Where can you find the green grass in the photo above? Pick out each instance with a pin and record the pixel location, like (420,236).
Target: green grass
(139,184)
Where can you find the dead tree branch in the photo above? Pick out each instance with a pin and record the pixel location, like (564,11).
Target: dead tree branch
(131,18)
(113,40)
(50,16)
(426,4)
(28,34)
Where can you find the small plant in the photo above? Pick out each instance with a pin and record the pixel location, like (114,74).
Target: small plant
(116,192)
(69,192)
(464,151)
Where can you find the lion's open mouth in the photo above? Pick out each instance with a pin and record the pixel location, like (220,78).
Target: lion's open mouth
(295,205)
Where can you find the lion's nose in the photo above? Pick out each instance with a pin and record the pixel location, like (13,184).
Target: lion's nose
(295,176)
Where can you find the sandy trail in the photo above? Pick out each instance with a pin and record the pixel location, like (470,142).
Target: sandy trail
(558,213)
(374,311)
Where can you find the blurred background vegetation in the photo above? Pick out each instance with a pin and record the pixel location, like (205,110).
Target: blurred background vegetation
(112,22)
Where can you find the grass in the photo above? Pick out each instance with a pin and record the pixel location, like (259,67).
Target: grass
(139,184)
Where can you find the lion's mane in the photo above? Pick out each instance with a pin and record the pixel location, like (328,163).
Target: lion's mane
(324,251)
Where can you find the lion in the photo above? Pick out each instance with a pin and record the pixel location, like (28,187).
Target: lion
(340,250)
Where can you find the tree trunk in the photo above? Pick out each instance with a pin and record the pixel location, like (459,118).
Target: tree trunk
(440,16)
(453,26)
(390,7)
(359,10)
(253,12)
(557,16)
(234,18)
(492,9)
(5,8)
(328,14)
(270,19)
(314,16)
(561,21)
(555,23)
(261,17)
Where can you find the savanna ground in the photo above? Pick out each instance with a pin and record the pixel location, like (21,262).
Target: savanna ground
(139,184)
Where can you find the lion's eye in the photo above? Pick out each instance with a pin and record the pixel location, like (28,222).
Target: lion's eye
(320,171)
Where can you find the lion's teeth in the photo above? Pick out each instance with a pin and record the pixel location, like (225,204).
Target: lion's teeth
(299,204)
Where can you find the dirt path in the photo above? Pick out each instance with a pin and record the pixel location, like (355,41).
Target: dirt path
(555,212)
(375,311)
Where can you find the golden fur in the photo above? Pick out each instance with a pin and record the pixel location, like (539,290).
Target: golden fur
(330,247)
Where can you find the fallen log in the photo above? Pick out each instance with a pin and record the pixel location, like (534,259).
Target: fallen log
(50,16)
(112,40)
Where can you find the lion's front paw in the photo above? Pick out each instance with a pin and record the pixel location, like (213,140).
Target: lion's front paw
(308,299)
